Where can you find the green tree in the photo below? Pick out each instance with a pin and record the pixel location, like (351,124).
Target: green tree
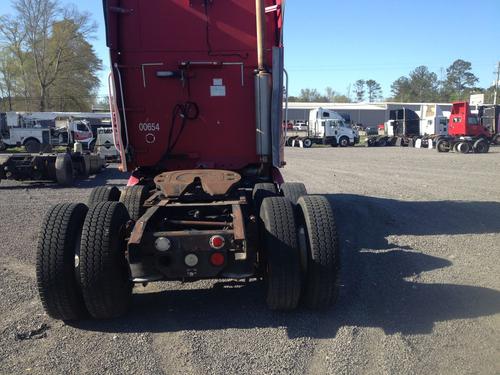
(401,90)
(8,76)
(335,97)
(56,61)
(424,85)
(374,90)
(460,80)
(359,90)
(74,89)
(311,95)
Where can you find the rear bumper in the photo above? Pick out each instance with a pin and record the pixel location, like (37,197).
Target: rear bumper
(189,253)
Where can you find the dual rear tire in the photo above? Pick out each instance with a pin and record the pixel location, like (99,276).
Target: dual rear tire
(81,267)
(301,252)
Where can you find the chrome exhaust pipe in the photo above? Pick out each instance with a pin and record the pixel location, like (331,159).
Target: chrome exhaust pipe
(260,15)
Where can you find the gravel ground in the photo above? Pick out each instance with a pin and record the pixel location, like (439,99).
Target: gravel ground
(420,237)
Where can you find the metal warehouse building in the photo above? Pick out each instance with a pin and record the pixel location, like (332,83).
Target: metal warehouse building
(366,114)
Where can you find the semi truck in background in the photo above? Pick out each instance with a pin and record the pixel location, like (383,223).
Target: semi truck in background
(105,145)
(466,132)
(489,116)
(402,129)
(326,127)
(463,129)
(36,136)
(433,120)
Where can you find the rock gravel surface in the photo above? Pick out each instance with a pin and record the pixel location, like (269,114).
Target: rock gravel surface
(420,237)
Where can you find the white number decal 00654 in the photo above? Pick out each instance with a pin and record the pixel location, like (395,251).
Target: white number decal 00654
(149,126)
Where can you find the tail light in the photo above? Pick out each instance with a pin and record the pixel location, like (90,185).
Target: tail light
(217,259)
(217,242)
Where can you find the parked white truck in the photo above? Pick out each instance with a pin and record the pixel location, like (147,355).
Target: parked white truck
(326,127)
(36,137)
(433,120)
(105,145)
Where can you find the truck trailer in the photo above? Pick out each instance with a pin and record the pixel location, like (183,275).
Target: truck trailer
(196,99)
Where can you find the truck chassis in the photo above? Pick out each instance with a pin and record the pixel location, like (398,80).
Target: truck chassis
(61,168)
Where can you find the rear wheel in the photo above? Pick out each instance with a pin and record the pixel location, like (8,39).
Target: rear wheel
(481,146)
(32,146)
(57,262)
(64,170)
(85,165)
(463,147)
(319,244)
(104,271)
(103,194)
(443,146)
(307,143)
(496,140)
(382,142)
(260,191)
(133,197)
(282,258)
(293,191)
(96,163)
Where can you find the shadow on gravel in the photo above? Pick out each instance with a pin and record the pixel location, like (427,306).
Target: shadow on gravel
(374,292)
(109,176)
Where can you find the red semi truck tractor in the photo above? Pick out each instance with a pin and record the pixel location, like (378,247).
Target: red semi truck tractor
(196,100)
(465,132)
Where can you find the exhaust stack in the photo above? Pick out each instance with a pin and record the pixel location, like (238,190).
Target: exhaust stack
(262,88)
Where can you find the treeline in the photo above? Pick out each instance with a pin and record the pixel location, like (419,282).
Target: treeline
(47,62)
(421,85)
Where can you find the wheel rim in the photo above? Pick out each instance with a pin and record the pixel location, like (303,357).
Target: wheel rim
(443,146)
(307,143)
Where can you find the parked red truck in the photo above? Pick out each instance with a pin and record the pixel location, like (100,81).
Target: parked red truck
(196,99)
(465,132)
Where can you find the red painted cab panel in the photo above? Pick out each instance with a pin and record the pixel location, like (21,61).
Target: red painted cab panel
(183,79)
(464,123)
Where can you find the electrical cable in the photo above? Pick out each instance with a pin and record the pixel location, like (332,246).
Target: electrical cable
(188,111)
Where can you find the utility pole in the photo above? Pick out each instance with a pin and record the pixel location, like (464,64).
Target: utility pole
(496,84)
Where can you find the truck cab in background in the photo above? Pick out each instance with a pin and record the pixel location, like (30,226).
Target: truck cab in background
(465,132)
(490,119)
(104,144)
(463,122)
(329,128)
(433,120)
(35,136)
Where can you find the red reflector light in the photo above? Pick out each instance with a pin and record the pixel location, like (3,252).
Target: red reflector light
(217,259)
(217,242)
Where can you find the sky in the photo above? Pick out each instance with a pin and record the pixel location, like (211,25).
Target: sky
(334,42)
